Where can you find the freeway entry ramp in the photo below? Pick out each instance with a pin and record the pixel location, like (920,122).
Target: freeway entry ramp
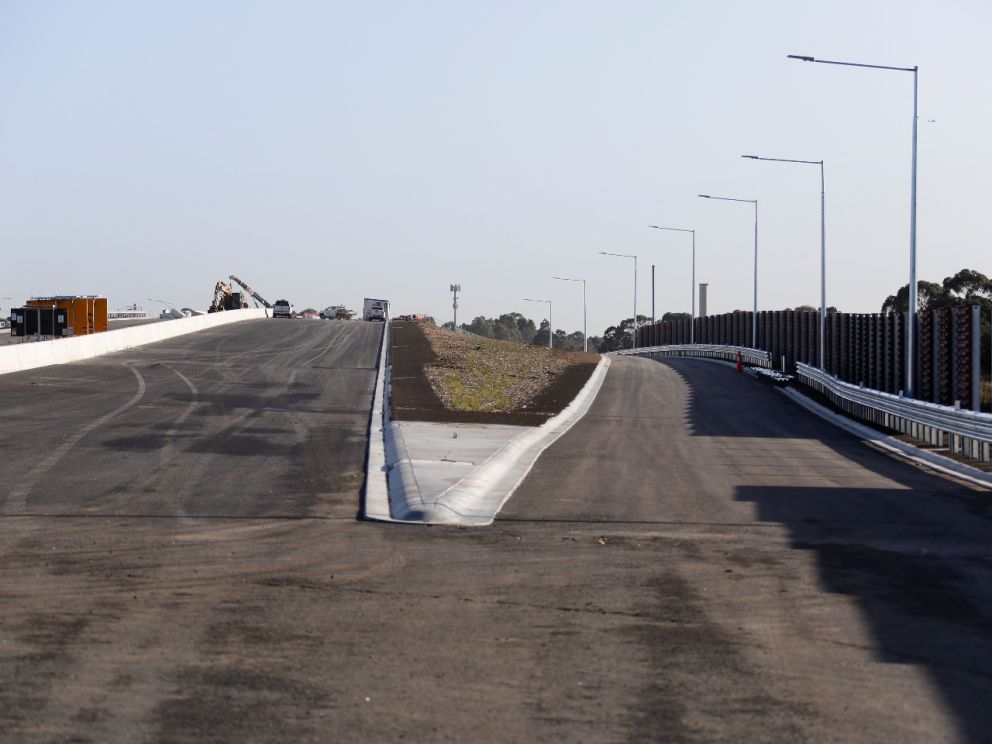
(31,355)
(840,580)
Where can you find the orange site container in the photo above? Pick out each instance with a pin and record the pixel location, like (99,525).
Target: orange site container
(84,315)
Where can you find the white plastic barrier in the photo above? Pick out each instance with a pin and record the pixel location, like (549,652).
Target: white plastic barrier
(30,355)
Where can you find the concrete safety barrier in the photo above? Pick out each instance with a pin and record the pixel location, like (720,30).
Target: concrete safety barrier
(30,355)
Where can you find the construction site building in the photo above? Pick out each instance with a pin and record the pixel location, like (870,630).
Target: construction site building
(84,314)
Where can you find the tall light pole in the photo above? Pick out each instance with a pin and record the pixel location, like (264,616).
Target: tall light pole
(754,315)
(823,249)
(455,289)
(585,334)
(551,331)
(692,286)
(911,326)
(627,255)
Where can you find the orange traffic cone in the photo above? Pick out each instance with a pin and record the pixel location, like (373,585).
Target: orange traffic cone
(740,361)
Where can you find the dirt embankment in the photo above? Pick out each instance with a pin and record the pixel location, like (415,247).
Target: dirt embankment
(440,375)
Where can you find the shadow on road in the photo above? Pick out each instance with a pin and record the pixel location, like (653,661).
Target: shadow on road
(914,556)
(921,574)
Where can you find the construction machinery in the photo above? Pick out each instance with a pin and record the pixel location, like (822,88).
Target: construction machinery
(225,299)
(254,295)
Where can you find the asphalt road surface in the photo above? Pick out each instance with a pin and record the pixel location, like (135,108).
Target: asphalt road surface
(696,560)
(790,583)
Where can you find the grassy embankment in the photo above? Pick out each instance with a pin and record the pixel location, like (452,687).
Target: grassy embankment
(480,374)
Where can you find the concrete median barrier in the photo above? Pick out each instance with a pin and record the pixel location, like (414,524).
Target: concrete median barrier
(31,355)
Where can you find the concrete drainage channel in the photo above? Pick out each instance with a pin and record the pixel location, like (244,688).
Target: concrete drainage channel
(458,474)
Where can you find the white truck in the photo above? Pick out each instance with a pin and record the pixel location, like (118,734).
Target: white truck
(375,309)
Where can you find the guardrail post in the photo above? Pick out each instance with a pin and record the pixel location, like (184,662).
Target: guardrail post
(976,358)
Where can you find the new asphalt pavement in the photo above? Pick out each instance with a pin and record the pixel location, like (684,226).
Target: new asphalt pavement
(696,560)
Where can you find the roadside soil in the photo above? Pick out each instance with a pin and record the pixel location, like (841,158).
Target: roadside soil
(546,381)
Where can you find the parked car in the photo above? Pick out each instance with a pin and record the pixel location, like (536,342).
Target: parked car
(337,312)
(282,309)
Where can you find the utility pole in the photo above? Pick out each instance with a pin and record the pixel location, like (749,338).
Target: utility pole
(455,289)
(652,294)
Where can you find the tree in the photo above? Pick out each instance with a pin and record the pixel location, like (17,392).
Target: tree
(967,287)
(621,336)
(541,337)
(928,297)
(567,341)
(482,326)
(675,316)
(514,327)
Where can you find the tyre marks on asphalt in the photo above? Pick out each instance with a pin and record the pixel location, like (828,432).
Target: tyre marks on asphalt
(16,500)
(128,611)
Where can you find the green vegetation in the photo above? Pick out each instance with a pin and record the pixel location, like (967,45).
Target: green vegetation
(479,387)
(516,327)
(480,374)
(967,287)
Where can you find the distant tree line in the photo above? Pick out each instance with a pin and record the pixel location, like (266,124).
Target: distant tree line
(967,287)
(517,327)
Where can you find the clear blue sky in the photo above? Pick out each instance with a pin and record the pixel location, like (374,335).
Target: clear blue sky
(327,151)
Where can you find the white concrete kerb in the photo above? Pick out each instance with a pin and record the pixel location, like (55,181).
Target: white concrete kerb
(376,484)
(475,499)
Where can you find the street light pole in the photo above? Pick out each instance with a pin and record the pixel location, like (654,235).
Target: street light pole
(585,332)
(823,249)
(628,255)
(912,290)
(551,331)
(692,285)
(754,315)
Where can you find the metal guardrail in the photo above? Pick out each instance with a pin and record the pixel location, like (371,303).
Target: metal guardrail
(963,432)
(752,357)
